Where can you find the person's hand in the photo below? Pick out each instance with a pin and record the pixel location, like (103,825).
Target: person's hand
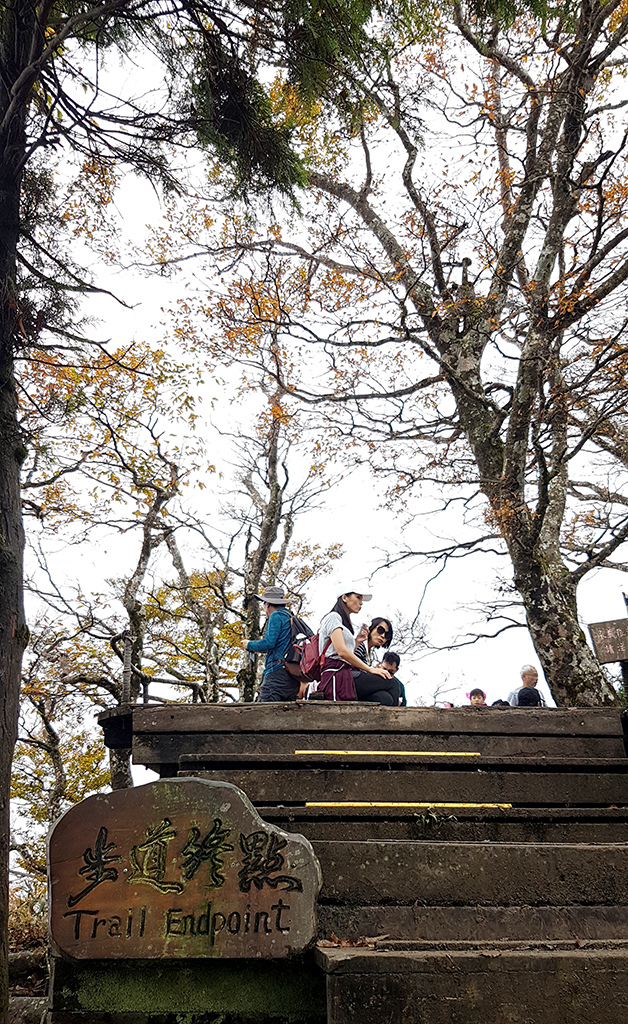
(362,634)
(244,645)
(377,670)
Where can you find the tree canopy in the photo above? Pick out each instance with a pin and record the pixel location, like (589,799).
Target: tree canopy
(461,275)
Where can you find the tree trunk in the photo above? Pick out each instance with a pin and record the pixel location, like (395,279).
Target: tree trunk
(120,768)
(247,675)
(13,631)
(16,24)
(571,669)
(256,562)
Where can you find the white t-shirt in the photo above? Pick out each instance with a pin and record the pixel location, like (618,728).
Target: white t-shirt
(331,622)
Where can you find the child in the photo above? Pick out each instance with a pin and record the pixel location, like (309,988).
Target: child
(477,698)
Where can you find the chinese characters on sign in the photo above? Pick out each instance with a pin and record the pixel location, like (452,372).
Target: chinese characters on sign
(610,640)
(95,866)
(181,867)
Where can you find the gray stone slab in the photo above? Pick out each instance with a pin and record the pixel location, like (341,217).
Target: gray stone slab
(188,992)
(481,874)
(474,923)
(491,987)
(518,825)
(424,760)
(165,749)
(418,784)
(320,716)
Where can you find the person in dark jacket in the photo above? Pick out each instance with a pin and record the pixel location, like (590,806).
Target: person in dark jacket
(392,661)
(277,683)
(529,697)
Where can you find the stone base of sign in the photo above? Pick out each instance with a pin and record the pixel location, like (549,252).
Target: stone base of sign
(188,992)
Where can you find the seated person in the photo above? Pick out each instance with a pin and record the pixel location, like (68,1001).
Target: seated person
(529,697)
(392,661)
(371,688)
(477,698)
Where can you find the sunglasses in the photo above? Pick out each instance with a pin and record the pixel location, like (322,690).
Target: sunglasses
(383,631)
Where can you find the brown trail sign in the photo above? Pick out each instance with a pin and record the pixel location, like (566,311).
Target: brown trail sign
(610,640)
(180,867)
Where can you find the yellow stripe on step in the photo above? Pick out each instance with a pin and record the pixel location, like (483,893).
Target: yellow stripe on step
(378,803)
(396,753)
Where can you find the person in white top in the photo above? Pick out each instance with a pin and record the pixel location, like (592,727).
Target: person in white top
(529,677)
(336,643)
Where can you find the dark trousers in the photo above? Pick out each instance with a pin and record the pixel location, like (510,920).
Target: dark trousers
(376,690)
(277,686)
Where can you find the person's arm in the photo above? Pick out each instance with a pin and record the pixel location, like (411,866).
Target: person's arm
(361,649)
(269,639)
(352,659)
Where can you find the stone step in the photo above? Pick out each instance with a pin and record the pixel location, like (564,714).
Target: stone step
(161,734)
(352,718)
(473,924)
(410,945)
(269,782)
(490,986)
(162,751)
(517,825)
(155,747)
(359,761)
(473,874)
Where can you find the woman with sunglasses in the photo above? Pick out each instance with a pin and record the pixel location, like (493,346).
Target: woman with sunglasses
(373,688)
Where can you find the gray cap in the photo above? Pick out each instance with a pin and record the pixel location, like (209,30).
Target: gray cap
(272,595)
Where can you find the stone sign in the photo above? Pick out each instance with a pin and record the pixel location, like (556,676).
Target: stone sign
(610,640)
(183,868)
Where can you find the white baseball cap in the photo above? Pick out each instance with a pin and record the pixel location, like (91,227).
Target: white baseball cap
(355,588)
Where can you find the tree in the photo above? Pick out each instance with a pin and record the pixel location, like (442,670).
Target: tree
(209,52)
(57,763)
(107,461)
(117,478)
(461,280)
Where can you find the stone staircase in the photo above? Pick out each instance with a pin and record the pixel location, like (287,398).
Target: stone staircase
(475,861)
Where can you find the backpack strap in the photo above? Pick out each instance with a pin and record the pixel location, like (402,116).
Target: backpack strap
(322,657)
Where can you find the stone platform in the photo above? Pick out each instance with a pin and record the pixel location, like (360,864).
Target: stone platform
(474,860)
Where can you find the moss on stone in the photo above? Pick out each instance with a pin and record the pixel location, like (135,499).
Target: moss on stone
(291,991)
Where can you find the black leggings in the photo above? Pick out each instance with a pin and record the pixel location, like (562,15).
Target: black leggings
(376,689)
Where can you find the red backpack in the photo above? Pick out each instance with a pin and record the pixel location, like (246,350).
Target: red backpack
(312,659)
